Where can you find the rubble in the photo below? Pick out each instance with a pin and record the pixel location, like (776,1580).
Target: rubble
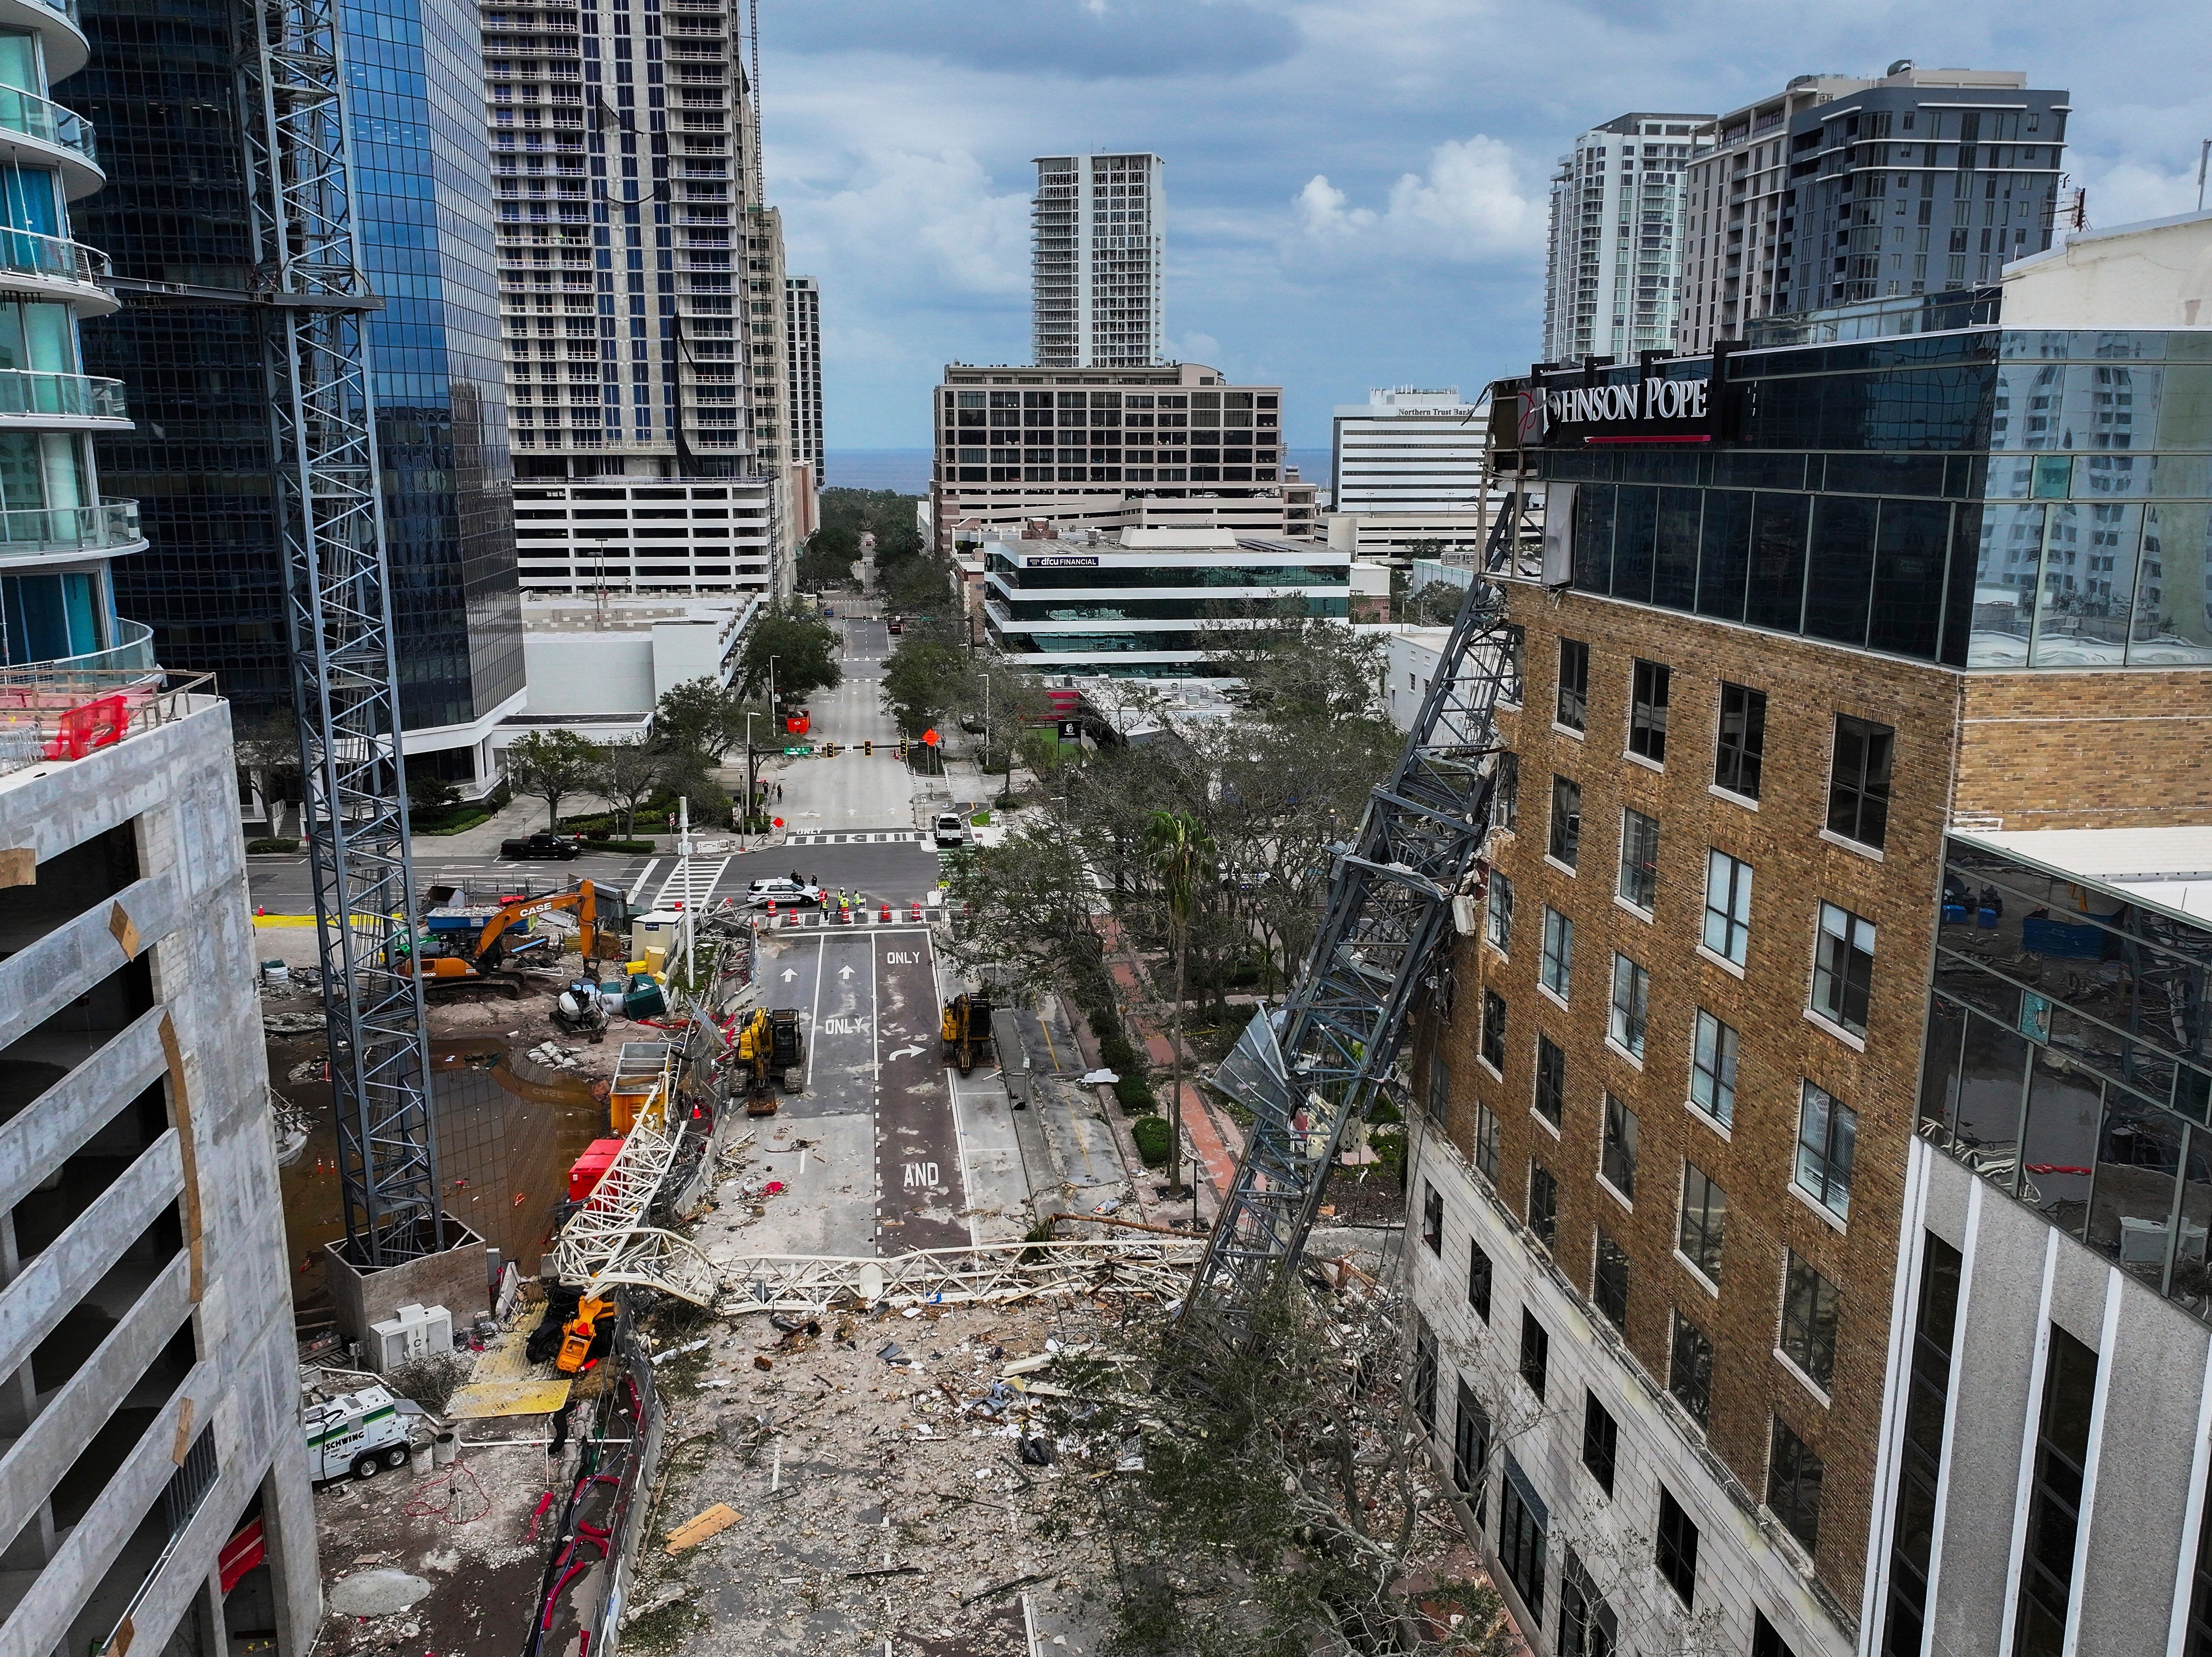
(910,1491)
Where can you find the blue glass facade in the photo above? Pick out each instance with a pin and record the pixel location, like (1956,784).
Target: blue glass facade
(1988,498)
(159,80)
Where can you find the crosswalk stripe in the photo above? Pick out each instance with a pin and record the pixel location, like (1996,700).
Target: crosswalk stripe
(693,886)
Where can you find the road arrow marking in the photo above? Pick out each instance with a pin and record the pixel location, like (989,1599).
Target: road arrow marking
(788,974)
(902,1053)
(844,972)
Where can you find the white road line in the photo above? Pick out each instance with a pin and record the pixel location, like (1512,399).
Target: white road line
(814,1029)
(644,875)
(959,1127)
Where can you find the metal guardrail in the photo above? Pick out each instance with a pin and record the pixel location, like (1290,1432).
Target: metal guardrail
(69,528)
(34,391)
(28,253)
(38,118)
(134,653)
(61,711)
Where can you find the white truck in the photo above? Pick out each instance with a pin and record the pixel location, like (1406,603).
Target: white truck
(950,829)
(355,1433)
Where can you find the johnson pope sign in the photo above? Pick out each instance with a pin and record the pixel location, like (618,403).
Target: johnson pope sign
(1638,412)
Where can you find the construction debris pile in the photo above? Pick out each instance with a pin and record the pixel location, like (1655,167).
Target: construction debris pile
(926,1476)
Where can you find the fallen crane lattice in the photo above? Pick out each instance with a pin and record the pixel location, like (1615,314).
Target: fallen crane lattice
(952,1277)
(607,1241)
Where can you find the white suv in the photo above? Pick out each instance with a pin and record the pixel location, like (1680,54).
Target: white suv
(950,829)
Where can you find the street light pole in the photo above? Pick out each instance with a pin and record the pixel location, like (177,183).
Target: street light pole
(752,786)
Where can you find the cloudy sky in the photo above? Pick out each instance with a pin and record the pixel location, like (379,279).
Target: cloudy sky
(1356,192)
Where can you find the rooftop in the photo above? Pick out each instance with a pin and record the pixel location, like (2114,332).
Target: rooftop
(52,718)
(2170,868)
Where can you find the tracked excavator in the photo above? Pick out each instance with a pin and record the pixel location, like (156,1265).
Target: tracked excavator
(770,1047)
(966,1029)
(478,964)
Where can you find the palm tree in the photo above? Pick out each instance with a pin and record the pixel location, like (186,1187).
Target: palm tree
(1182,854)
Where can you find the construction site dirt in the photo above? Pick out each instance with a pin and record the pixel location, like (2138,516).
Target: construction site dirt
(445,1562)
(510,1125)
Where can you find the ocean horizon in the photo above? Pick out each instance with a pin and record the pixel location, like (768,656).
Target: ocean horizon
(907,470)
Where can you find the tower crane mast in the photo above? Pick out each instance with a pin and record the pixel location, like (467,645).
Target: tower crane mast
(1312,1070)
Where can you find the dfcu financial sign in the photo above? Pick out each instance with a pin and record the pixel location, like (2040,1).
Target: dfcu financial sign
(1640,412)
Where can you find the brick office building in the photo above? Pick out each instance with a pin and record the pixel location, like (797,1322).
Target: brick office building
(1700,1290)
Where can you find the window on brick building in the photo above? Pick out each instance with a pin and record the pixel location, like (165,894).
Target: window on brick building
(1617,1154)
(1703,1222)
(1631,995)
(1712,1068)
(1843,968)
(1676,1552)
(1690,1369)
(1521,1542)
(1499,928)
(1557,967)
(1647,712)
(1478,1275)
(1743,746)
(1609,1282)
(1827,1135)
(1493,1030)
(1485,1142)
(1765,1641)
(1432,1217)
(1439,1102)
(1587,1626)
(1470,1447)
(1424,1375)
(1535,1353)
(1543,1203)
(1573,711)
(1858,780)
(1809,1307)
(1728,905)
(1551,1080)
(1566,844)
(1639,859)
(1505,794)
(1793,1485)
(1601,1441)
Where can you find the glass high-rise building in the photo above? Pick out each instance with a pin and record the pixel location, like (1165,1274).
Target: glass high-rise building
(160,85)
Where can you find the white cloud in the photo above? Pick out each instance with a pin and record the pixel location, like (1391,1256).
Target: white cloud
(1469,207)
(2131,191)
(913,224)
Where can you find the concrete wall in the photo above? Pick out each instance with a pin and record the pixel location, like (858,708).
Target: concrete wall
(459,1279)
(2153,274)
(2141,1512)
(208,1180)
(587,673)
(1740,1568)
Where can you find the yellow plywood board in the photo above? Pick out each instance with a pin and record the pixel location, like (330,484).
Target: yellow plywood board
(507,1397)
(713,1522)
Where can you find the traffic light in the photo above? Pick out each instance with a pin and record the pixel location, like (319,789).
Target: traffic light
(829,751)
(901,749)
(868,747)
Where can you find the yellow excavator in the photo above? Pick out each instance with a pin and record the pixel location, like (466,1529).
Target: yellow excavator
(967,1030)
(478,964)
(578,1333)
(769,1047)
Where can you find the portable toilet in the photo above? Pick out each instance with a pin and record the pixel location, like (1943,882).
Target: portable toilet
(652,935)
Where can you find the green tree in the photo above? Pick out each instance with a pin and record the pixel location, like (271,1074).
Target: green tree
(686,774)
(1183,855)
(825,564)
(552,765)
(1437,605)
(266,750)
(917,586)
(626,775)
(1025,904)
(701,716)
(804,649)
(922,681)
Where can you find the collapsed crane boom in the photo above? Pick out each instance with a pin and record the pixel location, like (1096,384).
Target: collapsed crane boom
(1311,1072)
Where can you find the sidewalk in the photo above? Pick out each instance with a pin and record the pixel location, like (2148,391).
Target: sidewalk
(1214,1142)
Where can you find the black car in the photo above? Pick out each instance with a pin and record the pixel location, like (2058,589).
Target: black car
(543,845)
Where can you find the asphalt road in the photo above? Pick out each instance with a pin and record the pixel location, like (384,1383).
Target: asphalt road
(825,802)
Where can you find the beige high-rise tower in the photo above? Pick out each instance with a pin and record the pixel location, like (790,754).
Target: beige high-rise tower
(1098,237)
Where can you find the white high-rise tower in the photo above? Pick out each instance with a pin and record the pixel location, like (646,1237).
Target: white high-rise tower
(1097,241)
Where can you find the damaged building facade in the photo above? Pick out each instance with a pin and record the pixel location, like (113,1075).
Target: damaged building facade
(1811,1217)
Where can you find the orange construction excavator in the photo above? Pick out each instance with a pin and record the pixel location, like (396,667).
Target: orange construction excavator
(482,960)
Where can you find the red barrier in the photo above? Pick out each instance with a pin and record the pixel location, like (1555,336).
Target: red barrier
(887,913)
